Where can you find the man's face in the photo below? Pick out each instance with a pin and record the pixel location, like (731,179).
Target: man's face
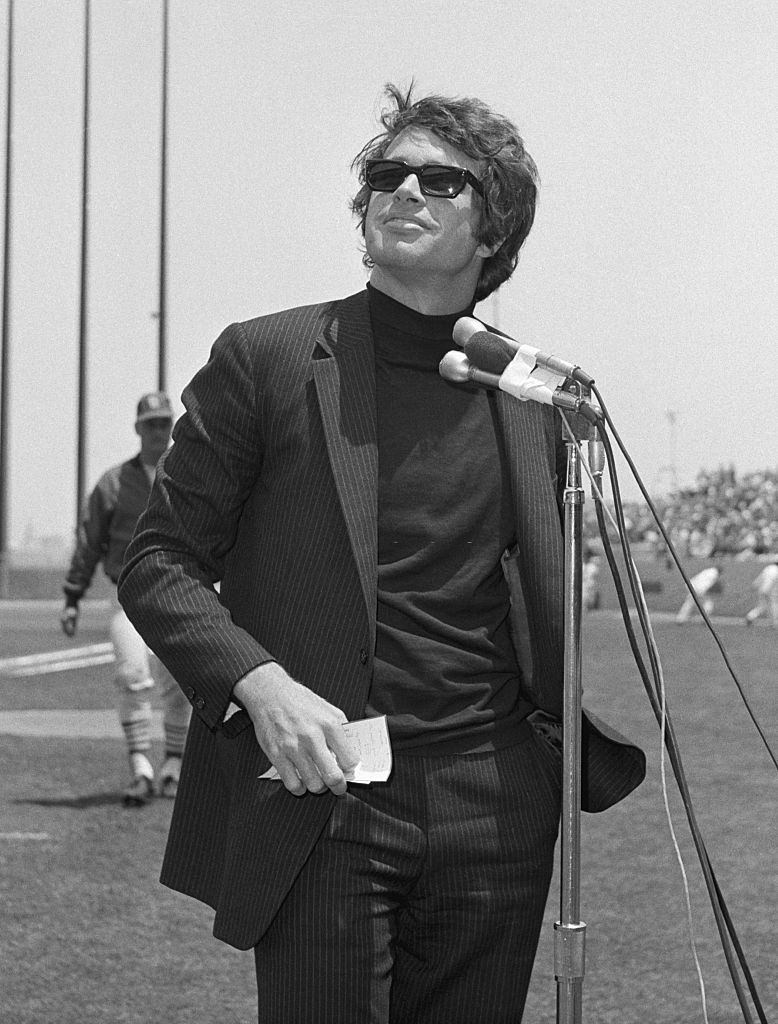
(425,240)
(154,437)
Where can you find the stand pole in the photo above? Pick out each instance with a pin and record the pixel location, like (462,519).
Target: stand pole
(569,931)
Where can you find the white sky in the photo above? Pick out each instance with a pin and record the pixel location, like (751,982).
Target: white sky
(651,262)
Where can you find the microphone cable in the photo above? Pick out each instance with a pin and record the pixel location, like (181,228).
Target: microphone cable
(658,703)
(657,519)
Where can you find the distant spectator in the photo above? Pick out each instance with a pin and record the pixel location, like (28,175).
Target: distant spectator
(706,585)
(721,514)
(766,586)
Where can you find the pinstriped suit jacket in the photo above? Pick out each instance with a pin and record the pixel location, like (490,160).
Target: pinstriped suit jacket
(271,488)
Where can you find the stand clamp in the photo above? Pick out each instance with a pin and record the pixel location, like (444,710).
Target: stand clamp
(569,951)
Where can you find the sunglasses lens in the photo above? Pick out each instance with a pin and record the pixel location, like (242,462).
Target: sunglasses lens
(442,181)
(385,175)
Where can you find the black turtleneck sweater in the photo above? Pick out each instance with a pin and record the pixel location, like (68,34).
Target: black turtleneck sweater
(445,670)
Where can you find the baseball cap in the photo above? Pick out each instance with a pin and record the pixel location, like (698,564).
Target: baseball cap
(154,406)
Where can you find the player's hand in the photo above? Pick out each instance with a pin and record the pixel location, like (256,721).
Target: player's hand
(69,620)
(300,732)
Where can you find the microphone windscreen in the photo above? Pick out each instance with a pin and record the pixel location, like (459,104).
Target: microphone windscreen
(489,352)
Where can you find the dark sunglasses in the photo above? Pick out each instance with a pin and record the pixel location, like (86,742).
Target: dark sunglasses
(434,179)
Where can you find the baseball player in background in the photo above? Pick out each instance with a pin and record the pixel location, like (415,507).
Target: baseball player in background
(707,584)
(766,586)
(106,527)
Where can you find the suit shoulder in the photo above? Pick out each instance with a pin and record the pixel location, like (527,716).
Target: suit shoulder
(302,320)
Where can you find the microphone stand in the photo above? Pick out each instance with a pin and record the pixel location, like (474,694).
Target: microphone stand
(570,931)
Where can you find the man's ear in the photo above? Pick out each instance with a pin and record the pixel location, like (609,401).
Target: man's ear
(485,251)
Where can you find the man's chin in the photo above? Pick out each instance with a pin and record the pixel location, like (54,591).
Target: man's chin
(402,254)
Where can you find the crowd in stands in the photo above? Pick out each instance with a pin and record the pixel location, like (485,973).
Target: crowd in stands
(720,514)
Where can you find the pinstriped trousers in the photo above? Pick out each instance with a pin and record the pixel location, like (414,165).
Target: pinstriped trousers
(422,901)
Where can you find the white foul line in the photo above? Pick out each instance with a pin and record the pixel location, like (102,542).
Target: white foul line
(57,661)
(25,835)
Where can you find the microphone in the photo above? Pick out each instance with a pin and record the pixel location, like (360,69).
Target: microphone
(490,352)
(457,368)
(490,361)
(468,327)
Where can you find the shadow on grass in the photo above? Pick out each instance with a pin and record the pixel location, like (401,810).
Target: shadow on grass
(78,803)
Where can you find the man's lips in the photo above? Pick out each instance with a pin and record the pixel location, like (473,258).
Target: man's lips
(403,220)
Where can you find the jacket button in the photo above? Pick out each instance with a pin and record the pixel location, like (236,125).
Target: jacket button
(200,703)
(189,692)
(363,657)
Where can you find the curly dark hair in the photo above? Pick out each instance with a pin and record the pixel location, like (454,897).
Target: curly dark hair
(509,175)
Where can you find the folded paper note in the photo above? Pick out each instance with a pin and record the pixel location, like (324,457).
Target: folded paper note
(370,739)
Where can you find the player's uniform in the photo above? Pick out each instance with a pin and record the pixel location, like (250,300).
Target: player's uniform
(706,585)
(766,584)
(106,527)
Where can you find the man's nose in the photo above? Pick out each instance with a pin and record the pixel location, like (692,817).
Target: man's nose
(410,189)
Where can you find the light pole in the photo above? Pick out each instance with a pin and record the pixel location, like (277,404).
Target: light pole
(5,355)
(162,347)
(82,319)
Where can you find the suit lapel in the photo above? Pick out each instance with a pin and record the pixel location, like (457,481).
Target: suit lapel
(538,611)
(344,374)
(531,473)
(510,416)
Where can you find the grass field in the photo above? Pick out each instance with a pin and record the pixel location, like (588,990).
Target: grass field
(89,936)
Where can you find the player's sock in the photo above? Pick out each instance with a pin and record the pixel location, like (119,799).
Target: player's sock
(175,737)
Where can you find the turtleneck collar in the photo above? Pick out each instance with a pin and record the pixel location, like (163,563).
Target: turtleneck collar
(406,337)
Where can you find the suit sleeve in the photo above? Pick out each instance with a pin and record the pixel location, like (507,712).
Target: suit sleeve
(178,550)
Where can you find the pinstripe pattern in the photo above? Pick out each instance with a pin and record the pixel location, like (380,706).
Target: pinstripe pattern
(271,488)
(611,767)
(537,465)
(254,441)
(422,901)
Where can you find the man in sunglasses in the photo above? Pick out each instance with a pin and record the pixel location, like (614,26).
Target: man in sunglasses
(357,509)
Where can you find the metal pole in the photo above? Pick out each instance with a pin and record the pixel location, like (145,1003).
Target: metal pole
(570,931)
(162,351)
(5,356)
(82,325)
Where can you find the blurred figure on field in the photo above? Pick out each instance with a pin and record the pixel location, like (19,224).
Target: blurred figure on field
(707,585)
(105,529)
(590,581)
(766,586)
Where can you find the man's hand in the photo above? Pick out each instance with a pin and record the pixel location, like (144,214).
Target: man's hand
(69,619)
(300,732)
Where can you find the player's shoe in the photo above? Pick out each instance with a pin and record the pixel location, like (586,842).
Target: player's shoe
(139,792)
(169,776)
(141,789)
